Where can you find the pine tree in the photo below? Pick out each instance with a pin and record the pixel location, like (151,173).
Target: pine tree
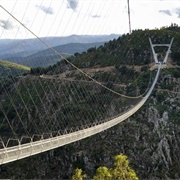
(102,173)
(121,169)
(78,175)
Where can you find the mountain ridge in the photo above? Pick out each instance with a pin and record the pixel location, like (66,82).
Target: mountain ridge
(24,51)
(35,44)
(150,138)
(12,69)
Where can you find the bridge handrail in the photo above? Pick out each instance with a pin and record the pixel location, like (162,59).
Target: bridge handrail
(21,151)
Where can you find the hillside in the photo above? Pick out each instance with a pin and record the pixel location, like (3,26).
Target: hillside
(133,49)
(12,69)
(33,53)
(150,138)
(31,45)
(47,57)
(129,49)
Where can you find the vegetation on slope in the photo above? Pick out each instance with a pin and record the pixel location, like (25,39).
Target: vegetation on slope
(150,138)
(130,49)
(12,69)
(120,170)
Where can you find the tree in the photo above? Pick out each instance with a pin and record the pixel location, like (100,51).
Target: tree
(92,49)
(102,173)
(76,54)
(121,169)
(78,175)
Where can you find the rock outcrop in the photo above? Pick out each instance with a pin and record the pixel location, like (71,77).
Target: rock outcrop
(150,139)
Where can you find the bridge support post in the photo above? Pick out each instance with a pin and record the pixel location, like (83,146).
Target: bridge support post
(168,51)
(155,54)
(153,51)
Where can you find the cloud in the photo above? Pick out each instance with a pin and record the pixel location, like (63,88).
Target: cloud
(47,10)
(72,4)
(7,25)
(167,12)
(177,11)
(95,16)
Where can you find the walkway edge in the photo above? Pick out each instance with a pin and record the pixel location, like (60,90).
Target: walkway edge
(25,150)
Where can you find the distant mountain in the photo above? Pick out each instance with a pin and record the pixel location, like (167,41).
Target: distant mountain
(12,69)
(150,138)
(9,48)
(70,48)
(130,49)
(33,53)
(48,57)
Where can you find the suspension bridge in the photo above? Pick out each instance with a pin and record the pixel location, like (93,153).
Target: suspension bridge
(9,154)
(32,148)
(36,125)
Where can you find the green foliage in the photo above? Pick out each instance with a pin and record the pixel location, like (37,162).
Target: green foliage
(160,97)
(120,171)
(91,49)
(12,69)
(78,175)
(102,173)
(6,83)
(128,49)
(143,81)
(175,72)
(176,57)
(52,69)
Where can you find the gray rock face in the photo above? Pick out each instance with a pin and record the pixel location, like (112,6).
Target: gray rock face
(150,139)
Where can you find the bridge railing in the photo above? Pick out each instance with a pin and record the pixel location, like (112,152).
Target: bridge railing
(25,150)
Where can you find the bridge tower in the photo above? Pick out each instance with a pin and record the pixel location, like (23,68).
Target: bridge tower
(155,55)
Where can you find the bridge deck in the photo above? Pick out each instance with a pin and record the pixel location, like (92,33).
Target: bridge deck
(25,150)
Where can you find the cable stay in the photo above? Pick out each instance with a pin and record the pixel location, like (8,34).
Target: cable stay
(25,150)
(61,56)
(42,112)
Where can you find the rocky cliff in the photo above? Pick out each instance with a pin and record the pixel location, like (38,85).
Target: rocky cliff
(150,139)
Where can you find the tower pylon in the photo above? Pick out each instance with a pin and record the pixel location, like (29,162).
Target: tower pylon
(155,54)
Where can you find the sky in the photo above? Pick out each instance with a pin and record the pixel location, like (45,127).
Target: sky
(84,17)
